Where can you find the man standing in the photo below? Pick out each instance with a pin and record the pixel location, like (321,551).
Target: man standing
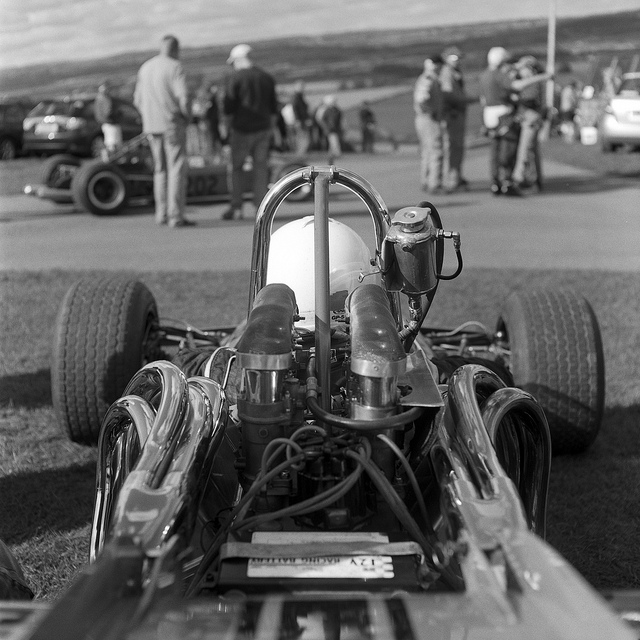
(302,119)
(455,101)
(106,113)
(250,106)
(367,127)
(427,105)
(162,99)
(530,110)
(497,88)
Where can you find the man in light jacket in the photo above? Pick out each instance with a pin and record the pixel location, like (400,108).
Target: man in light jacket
(427,105)
(162,99)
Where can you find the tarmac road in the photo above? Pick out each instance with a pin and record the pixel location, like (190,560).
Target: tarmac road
(581,220)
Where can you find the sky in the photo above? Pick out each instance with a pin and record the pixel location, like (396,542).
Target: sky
(42,31)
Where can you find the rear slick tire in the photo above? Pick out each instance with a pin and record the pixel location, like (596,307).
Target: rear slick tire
(106,330)
(557,356)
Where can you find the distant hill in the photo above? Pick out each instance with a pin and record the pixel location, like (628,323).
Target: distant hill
(355,59)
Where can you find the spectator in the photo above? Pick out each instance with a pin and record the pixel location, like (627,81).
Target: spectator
(367,127)
(531,117)
(289,125)
(302,119)
(498,84)
(205,120)
(332,126)
(250,106)
(212,116)
(427,105)
(161,97)
(568,105)
(318,135)
(455,101)
(107,115)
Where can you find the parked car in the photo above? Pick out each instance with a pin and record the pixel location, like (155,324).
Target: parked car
(12,113)
(620,123)
(69,125)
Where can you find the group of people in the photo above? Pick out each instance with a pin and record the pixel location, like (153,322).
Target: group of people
(440,103)
(511,95)
(302,128)
(512,101)
(249,111)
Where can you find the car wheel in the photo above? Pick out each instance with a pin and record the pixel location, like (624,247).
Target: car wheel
(556,355)
(301,194)
(8,149)
(100,188)
(58,171)
(105,331)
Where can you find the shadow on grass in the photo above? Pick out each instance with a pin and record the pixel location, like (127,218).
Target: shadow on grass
(26,390)
(593,498)
(39,502)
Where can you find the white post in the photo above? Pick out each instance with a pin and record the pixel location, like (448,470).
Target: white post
(551,63)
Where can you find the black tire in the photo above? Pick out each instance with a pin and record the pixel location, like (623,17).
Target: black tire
(557,356)
(8,149)
(58,171)
(100,188)
(105,331)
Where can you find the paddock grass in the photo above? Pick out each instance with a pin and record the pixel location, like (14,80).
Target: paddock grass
(47,482)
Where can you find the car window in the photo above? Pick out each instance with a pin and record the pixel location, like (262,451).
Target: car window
(73,108)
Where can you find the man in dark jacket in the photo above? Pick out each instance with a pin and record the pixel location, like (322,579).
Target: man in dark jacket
(250,106)
(455,102)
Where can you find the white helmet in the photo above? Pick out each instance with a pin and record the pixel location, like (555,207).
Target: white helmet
(291,261)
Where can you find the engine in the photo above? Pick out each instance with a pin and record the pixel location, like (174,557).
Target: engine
(281,417)
(283,410)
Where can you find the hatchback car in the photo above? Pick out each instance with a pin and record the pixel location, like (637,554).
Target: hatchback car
(69,126)
(12,113)
(620,123)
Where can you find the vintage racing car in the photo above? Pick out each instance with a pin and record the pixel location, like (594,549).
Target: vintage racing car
(125,177)
(332,467)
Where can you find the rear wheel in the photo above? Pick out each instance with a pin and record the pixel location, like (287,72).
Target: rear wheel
(58,171)
(556,355)
(105,331)
(100,188)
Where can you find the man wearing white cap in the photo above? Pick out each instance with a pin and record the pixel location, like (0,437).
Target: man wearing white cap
(250,106)
(497,88)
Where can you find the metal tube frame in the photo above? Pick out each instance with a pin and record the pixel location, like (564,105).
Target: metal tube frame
(321,178)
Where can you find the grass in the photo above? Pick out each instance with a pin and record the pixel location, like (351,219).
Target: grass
(47,482)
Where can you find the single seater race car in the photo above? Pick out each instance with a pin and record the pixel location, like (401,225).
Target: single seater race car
(331,467)
(106,186)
